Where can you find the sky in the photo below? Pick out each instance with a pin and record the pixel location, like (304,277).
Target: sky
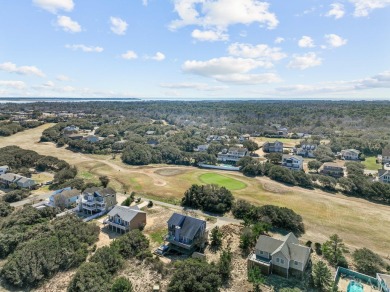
(189,49)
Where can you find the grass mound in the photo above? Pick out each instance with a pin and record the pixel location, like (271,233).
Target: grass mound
(223,181)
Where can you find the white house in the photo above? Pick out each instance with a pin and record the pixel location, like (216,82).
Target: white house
(350,154)
(4,169)
(233,154)
(292,162)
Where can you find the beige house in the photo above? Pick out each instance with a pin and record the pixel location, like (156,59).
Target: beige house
(123,219)
(284,256)
(332,169)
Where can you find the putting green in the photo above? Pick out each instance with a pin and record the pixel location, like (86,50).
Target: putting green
(223,181)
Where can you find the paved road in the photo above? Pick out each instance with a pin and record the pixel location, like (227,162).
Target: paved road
(31,200)
(220,219)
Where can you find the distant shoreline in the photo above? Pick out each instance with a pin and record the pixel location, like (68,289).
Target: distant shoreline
(133,99)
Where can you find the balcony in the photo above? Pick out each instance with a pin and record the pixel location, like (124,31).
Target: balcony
(88,203)
(171,239)
(123,227)
(88,207)
(259,260)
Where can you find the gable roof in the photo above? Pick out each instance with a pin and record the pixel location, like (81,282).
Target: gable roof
(382,172)
(386,152)
(285,156)
(125,213)
(13,177)
(189,225)
(99,191)
(288,245)
(68,193)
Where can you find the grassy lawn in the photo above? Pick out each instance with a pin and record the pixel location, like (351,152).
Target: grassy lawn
(223,181)
(157,236)
(370,163)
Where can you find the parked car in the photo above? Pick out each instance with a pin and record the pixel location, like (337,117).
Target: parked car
(162,249)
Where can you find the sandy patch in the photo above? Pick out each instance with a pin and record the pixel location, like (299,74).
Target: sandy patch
(170,171)
(275,188)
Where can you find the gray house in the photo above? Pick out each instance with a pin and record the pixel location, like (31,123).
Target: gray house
(123,219)
(273,147)
(20,181)
(185,233)
(284,256)
(384,175)
(97,200)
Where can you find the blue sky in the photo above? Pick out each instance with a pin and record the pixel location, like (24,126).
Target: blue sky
(195,48)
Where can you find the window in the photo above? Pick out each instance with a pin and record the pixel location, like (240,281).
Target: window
(296,263)
(277,260)
(261,252)
(282,261)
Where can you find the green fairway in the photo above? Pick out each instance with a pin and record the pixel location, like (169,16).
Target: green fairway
(370,163)
(223,181)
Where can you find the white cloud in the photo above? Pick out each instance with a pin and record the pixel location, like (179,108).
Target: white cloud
(62,78)
(48,84)
(67,24)
(129,55)
(364,7)
(218,15)
(306,42)
(54,5)
(145,2)
(209,35)
(381,80)
(335,41)
(23,70)
(190,85)
(12,84)
(337,11)
(221,66)
(260,51)
(279,40)
(231,70)
(118,25)
(84,48)
(304,61)
(157,57)
(249,79)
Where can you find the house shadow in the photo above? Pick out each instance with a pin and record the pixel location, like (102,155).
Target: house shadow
(111,234)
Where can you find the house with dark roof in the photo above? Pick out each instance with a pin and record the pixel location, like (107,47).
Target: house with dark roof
(234,154)
(270,147)
(284,256)
(386,156)
(186,233)
(9,178)
(123,219)
(97,200)
(64,198)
